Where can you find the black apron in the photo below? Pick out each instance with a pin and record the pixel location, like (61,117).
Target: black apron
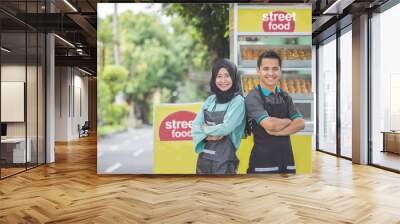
(272,154)
(217,157)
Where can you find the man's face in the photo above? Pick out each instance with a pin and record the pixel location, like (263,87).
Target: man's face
(269,72)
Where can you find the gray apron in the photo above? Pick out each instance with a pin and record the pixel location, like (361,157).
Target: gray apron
(272,154)
(218,157)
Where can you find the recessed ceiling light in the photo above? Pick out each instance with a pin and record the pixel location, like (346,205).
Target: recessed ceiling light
(86,72)
(64,40)
(70,5)
(5,50)
(338,6)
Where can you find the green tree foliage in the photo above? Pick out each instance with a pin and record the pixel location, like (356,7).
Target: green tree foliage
(104,98)
(158,56)
(151,58)
(115,78)
(167,57)
(211,20)
(106,39)
(112,80)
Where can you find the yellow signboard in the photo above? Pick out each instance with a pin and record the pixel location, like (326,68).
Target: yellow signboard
(275,19)
(174,150)
(174,153)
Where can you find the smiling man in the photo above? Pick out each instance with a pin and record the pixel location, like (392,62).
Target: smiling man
(274,118)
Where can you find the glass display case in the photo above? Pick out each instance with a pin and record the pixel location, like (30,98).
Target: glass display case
(249,38)
(253,31)
(297,84)
(295,52)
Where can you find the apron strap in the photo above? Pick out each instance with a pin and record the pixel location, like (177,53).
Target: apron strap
(230,102)
(262,97)
(215,105)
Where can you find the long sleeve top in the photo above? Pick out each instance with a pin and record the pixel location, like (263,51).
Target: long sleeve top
(233,124)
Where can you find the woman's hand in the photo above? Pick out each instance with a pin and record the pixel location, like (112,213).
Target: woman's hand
(203,126)
(214,138)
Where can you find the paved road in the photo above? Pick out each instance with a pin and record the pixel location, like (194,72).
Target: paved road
(129,152)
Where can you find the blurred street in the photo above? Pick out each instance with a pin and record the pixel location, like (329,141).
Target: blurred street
(129,152)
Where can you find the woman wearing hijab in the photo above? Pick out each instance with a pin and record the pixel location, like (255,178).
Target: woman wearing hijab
(219,126)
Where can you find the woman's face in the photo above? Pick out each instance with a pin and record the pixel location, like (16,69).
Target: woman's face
(223,80)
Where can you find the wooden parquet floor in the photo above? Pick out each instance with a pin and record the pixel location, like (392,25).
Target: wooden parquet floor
(70,191)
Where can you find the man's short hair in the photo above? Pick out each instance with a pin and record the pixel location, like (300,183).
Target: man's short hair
(269,54)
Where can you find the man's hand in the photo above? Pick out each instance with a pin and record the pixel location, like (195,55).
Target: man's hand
(214,138)
(274,124)
(275,133)
(295,126)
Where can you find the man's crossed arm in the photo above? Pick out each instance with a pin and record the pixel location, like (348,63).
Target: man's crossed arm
(282,126)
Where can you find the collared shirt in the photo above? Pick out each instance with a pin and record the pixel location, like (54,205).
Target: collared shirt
(255,104)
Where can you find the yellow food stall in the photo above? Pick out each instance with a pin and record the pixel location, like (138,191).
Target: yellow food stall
(253,29)
(286,29)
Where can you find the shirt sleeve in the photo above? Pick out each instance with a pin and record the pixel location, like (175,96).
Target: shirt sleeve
(293,112)
(198,134)
(232,119)
(255,107)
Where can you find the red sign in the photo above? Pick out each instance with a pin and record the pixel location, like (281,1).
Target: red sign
(279,21)
(177,126)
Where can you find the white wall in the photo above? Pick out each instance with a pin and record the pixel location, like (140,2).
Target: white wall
(13,73)
(81,100)
(16,73)
(12,101)
(70,83)
(33,126)
(61,103)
